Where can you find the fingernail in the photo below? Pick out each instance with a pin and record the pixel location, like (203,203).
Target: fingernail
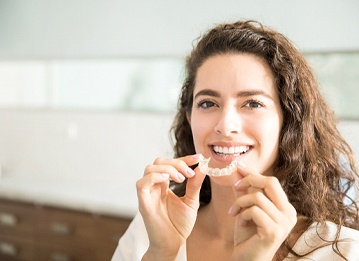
(240,185)
(230,211)
(190,172)
(165,175)
(181,177)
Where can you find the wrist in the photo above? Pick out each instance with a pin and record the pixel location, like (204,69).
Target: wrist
(159,255)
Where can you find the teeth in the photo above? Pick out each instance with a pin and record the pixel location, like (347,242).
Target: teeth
(230,150)
(218,149)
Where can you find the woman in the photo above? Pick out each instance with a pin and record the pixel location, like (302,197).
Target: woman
(249,98)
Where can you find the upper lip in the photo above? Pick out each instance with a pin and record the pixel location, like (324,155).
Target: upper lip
(230,144)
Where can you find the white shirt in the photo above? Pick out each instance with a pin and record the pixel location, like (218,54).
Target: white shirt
(134,243)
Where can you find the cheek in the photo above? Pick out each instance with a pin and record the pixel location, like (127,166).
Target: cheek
(201,128)
(271,130)
(268,138)
(266,132)
(197,128)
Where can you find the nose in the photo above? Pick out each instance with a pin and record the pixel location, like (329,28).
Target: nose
(229,122)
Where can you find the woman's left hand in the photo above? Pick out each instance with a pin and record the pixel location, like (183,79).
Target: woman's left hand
(264,216)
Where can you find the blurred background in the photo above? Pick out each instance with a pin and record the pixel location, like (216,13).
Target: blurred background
(88,90)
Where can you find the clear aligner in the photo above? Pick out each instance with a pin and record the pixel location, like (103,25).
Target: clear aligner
(215,172)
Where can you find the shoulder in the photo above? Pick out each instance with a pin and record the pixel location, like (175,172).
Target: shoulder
(328,231)
(134,243)
(317,235)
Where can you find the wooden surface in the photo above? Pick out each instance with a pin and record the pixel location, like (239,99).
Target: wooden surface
(31,232)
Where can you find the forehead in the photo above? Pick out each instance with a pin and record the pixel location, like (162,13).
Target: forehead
(235,71)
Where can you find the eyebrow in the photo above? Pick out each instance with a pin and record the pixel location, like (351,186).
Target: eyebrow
(245,93)
(207,92)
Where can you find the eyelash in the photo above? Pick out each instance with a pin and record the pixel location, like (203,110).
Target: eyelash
(201,104)
(258,104)
(206,104)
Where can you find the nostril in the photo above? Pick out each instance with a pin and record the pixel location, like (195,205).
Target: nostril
(228,124)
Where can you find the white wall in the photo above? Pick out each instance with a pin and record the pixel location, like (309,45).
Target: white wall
(84,145)
(116,28)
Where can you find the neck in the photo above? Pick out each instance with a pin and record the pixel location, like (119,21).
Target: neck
(215,214)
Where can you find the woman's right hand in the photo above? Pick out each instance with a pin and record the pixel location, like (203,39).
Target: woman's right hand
(169,219)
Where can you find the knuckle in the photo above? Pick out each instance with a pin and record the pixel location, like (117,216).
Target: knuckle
(294,211)
(148,168)
(273,233)
(273,181)
(258,195)
(158,160)
(139,184)
(254,210)
(291,211)
(294,217)
(183,167)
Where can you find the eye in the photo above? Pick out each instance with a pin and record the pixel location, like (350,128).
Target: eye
(253,104)
(206,104)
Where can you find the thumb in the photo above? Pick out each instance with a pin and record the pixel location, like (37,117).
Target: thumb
(193,187)
(236,178)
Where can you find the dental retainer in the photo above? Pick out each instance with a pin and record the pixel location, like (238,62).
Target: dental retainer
(216,172)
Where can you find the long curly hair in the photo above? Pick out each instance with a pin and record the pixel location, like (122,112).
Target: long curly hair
(311,149)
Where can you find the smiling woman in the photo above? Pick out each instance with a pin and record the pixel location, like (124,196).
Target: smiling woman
(249,97)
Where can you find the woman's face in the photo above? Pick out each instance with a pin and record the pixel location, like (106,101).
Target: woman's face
(236,112)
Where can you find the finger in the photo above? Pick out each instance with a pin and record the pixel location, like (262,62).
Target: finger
(244,170)
(145,185)
(193,187)
(191,159)
(266,226)
(258,199)
(168,169)
(270,185)
(255,199)
(238,176)
(154,183)
(180,164)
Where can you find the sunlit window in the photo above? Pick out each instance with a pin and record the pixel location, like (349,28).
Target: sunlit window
(338,75)
(145,84)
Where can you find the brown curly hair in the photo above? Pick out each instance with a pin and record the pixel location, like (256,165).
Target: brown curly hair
(311,149)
